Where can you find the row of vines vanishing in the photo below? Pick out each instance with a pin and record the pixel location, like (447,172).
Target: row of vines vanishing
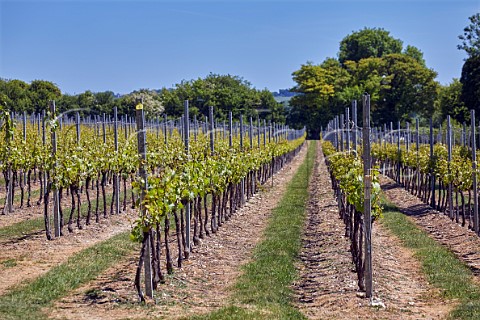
(415,170)
(346,173)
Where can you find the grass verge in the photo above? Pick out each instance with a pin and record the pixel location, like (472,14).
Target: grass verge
(442,268)
(263,291)
(26,301)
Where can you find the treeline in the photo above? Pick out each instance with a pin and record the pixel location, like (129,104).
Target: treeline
(400,84)
(224,92)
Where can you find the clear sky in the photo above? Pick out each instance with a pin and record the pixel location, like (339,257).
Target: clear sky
(127,45)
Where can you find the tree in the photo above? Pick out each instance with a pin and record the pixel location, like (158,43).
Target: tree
(449,102)
(68,102)
(322,95)
(415,53)
(470,80)
(86,102)
(411,90)
(16,95)
(41,92)
(152,103)
(273,110)
(366,43)
(224,92)
(104,102)
(471,37)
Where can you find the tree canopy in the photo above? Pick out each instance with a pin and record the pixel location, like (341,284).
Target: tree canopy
(471,37)
(449,102)
(401,87)
(470,78)
(225,93)
(367,43)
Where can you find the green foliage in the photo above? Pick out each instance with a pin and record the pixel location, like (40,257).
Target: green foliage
(347,169)
(41,92)
(367,43)
(224,92)
(459,172)
(470,80)
(415,53)
(449,102)
(411,90)
(322,95)
(471,37)
(401,87)
(183,177)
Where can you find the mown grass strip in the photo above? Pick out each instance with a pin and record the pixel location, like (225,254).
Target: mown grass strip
(263,291)
(25,301)
(442,268)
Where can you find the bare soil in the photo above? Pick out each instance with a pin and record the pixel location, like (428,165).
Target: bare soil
(31,256)
(463,242)
(204,282)
(327,286)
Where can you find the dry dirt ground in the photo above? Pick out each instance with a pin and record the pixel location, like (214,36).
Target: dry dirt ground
(204,282)
(327,286)
(460,240)
(31,256)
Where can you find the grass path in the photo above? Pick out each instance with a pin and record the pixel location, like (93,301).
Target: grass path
(26,301)
(442,268)
(263,291)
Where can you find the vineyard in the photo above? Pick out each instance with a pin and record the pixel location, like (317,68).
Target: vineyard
(181,218)
(213,174)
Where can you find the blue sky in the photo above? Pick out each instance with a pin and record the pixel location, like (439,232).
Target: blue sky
(127,45)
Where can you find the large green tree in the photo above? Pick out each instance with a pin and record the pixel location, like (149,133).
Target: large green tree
(366,43)
(411,92)
(16,94)
(322,95)
(449,102)
(470,78)
(225,93)
(41,92)
(471,36)
(399,83)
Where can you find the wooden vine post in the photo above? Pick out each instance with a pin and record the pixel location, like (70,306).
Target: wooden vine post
(432,176)
(230,129)
(399,153)
(141,140)
(56,194)
(8,139)
(348,126)
(342,133)
(354,118)
(417,147)
(450,184)
(367,206)
(474,173)
(186,129)
(116,180)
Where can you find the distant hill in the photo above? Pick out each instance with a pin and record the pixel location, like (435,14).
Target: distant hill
(284,93)
(284,96)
